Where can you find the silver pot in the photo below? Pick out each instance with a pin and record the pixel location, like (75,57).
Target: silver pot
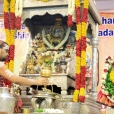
(45,94)
(44,99)
(68,107)
(7,101)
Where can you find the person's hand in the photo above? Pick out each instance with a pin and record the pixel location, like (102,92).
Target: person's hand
(42,81)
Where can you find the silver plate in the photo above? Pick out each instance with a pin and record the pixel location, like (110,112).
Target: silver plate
(45,94)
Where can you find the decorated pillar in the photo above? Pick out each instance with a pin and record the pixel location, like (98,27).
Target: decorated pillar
(94,43)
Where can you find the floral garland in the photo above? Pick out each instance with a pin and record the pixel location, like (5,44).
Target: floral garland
(83,51)
(71,9)
(106,95)
(9,25)
(78,51)
(79,93)
(18,13)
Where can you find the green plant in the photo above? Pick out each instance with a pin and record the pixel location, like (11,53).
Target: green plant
(48,62)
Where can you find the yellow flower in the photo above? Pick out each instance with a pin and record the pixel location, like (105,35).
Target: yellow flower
(6,2)
(7,31)
(78,64)
(84,28)
(82,92)
(77,3)
(76,95)
(86,3)
(83,58)
(12,40)
(6,6)
(12,5)
(78,33)
(112,76)
(79,27)
(11,65)
(78,37)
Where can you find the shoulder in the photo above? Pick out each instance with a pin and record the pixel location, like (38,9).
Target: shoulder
(1,64)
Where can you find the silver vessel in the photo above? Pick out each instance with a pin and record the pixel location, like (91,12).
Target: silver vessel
(69,107)
(7,101)
(45,99)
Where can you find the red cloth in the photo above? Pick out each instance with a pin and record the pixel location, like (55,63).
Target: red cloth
(19,105)
(7,83)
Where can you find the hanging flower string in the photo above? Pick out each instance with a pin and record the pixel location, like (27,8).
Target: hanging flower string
(78,51)
(9,25)
(18,13)
(83,51)
(71,9)
(79,93)
(6,20)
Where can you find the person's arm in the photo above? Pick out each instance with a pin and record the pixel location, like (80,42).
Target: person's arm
(6,73)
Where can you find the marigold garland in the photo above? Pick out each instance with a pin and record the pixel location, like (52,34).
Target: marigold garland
(81,23)
(71,8)
(78,51)
(18,13)
(9,25)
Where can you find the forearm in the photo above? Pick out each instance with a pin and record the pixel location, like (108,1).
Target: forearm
(6,73)
(22,80)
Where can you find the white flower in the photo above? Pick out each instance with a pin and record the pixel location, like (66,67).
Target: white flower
(102,81)
(71,7)
(42,54)
(112,97)
(110,60)
(112,100)
(110,66)
(106,92)
(103,75)
(18,8)
(102,90)
(106,65)
(103,87)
